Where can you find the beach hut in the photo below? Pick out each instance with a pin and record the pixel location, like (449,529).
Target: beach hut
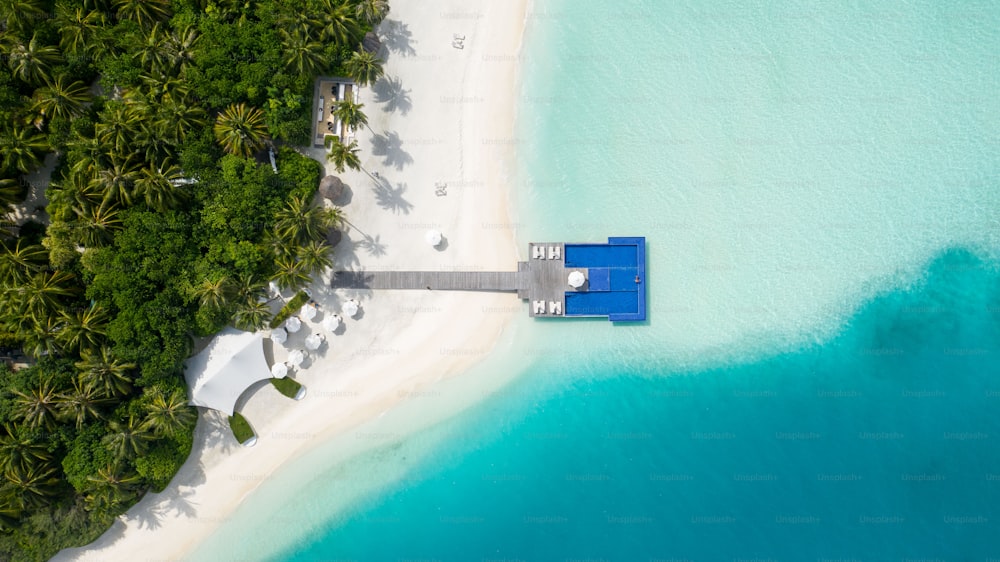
(229,364)
(576,279)
(307,312)
(433,237)
(293,324)
(314,341)
(351,308)
(279,370)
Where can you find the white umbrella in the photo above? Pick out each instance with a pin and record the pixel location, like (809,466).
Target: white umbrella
(350,307)
(308,312)
(314,341)
(433,237)
(279,335)
(576,279)
(293,324)
(331,322)
(279,370)
(296,357)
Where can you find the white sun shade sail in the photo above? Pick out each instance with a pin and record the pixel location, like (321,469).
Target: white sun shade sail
(230,363)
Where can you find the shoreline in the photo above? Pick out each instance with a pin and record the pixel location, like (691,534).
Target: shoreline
(441,124)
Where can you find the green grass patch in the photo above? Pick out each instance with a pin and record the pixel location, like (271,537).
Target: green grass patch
(241,428)
(328,140)
(290,308)
(287,386)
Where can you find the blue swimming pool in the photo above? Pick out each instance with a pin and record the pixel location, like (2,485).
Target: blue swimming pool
(616,285)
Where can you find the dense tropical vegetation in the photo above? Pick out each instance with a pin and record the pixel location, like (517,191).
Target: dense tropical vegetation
(165,223)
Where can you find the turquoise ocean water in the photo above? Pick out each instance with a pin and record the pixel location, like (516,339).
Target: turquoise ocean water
(819,185)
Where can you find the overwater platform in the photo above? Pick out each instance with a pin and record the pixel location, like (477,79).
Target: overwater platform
(558,280)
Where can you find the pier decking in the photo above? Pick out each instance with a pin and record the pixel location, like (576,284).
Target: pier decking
(613,277)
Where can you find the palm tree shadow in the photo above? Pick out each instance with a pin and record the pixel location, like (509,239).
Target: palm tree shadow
(397,37)
(390,146)
(372,245)
(390,91)
(390,198)
(345,256)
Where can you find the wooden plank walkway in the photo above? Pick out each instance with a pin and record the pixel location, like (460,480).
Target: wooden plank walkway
(496,281)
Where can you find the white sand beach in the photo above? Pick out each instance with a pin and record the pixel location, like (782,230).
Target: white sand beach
(443,115)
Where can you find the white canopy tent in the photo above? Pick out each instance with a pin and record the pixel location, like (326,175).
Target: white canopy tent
(230,363)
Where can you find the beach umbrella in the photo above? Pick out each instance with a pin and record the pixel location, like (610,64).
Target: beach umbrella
(433,237)
(296,357)
(331,322)
(331,188)
(279,370)
(576,279)
(308,312)
(293,324)
(350,308)
(279,335)
(314,341)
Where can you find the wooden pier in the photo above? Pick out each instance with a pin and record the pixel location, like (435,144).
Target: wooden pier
(493,281)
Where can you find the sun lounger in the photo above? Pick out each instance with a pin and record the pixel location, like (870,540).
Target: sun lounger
(538,306)
(555,253)
(458,36)
(538,252)
(555,307)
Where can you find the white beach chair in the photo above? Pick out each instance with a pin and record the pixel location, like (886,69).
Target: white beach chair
(555,253)
(555,307)
(538,252)
(539,307)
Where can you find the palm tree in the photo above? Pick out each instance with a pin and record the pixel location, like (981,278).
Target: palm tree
(42,294)
(301,221)
(158,186)
(344,156)
(240,130)
(143,12)
(176,118)
(33,485)
(32,61)
(339,22)
(290,274)
(315,255)
(20,449)
(105,372)
(372,12)
(10,193)
(364,67)
(168,413)
(214,293)
(117,180)
(22,149)
(154,54)
(98,223)
(301,54)
(117,126)
(22,261)
(38,332)
(77,27)
(350,114)
(181,48)
(83,329)
(17,15)
(110,487)
(252,315)
(81,403)
(61,98)
(37,407)
(128,439)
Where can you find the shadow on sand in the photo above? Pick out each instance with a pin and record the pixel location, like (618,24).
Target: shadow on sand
(390,91)
(391,198)
(396,37)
